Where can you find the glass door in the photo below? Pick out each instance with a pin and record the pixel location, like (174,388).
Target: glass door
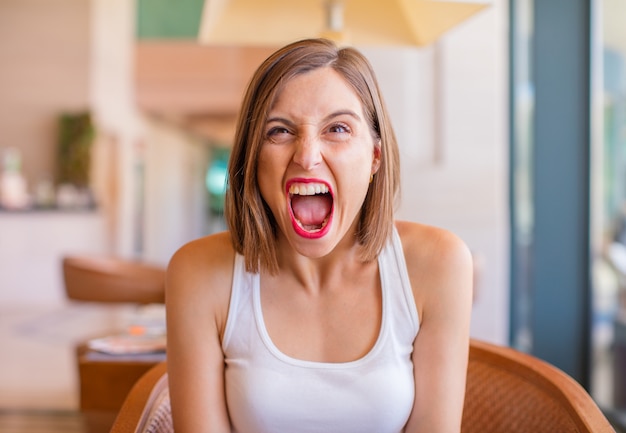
(608,210)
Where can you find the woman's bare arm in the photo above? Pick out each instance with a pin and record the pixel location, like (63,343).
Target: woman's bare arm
(198,285)
(440,269)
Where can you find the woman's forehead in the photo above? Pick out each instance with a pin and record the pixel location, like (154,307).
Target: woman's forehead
(321,88)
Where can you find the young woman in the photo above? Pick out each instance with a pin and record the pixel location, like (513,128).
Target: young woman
(316,312)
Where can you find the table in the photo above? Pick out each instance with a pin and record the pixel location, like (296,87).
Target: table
(105,380)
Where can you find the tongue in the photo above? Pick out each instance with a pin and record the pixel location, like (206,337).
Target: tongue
(311,210)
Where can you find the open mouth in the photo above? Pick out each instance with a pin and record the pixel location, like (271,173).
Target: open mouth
(311,205)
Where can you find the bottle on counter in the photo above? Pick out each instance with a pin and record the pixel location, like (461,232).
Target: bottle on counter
(13,188)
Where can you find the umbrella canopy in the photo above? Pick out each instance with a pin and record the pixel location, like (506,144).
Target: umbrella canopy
(358,22)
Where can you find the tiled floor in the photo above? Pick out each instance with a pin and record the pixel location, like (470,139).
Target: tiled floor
(41,422)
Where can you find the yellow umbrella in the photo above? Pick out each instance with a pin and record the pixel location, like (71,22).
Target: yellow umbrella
(358,22)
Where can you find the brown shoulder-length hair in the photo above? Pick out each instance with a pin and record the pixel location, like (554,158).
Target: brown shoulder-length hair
(250,221)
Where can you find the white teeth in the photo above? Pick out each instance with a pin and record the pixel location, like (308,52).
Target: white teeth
(308,189)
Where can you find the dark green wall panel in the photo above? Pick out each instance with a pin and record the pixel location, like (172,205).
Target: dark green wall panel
(168,19)
(560,259)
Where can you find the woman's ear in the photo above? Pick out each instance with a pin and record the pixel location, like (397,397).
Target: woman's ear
(377,156)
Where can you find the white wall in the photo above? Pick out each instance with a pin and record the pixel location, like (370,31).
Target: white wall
(175,197)
(460,84)
(112,101)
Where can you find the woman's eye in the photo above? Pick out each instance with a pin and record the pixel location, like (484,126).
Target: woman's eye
(278,134)
(339,128)
(277,130)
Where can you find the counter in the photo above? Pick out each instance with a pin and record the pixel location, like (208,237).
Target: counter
(32,244)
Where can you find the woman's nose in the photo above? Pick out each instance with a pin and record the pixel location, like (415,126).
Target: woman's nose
(308,152)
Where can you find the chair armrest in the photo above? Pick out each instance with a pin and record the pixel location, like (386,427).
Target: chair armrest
(147,397)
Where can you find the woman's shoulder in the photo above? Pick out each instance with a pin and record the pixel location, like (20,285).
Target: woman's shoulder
(439,264)
(197,290)
(422,240)
(431,251)
(201,263)
(211,247)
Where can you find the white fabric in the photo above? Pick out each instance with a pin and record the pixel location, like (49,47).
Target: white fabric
(270,392)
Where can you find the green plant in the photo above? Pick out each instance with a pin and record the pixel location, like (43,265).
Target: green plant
(75,138)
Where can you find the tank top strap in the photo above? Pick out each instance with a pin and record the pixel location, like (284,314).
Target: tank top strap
(395,277)
(240,296)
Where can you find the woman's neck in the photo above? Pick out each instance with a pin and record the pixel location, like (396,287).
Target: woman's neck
(317,274)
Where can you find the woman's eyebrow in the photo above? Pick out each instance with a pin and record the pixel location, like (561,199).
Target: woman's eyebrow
(342,113)
(279,120)
(326,119)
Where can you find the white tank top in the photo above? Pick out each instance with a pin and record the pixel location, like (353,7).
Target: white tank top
(270,392)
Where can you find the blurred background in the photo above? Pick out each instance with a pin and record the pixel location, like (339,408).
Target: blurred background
(115,128)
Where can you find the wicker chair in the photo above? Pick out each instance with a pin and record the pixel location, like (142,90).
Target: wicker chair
(507,391)
(147,406)
(510,391)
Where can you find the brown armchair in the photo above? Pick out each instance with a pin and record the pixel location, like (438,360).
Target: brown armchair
(112,279)
(507,391)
